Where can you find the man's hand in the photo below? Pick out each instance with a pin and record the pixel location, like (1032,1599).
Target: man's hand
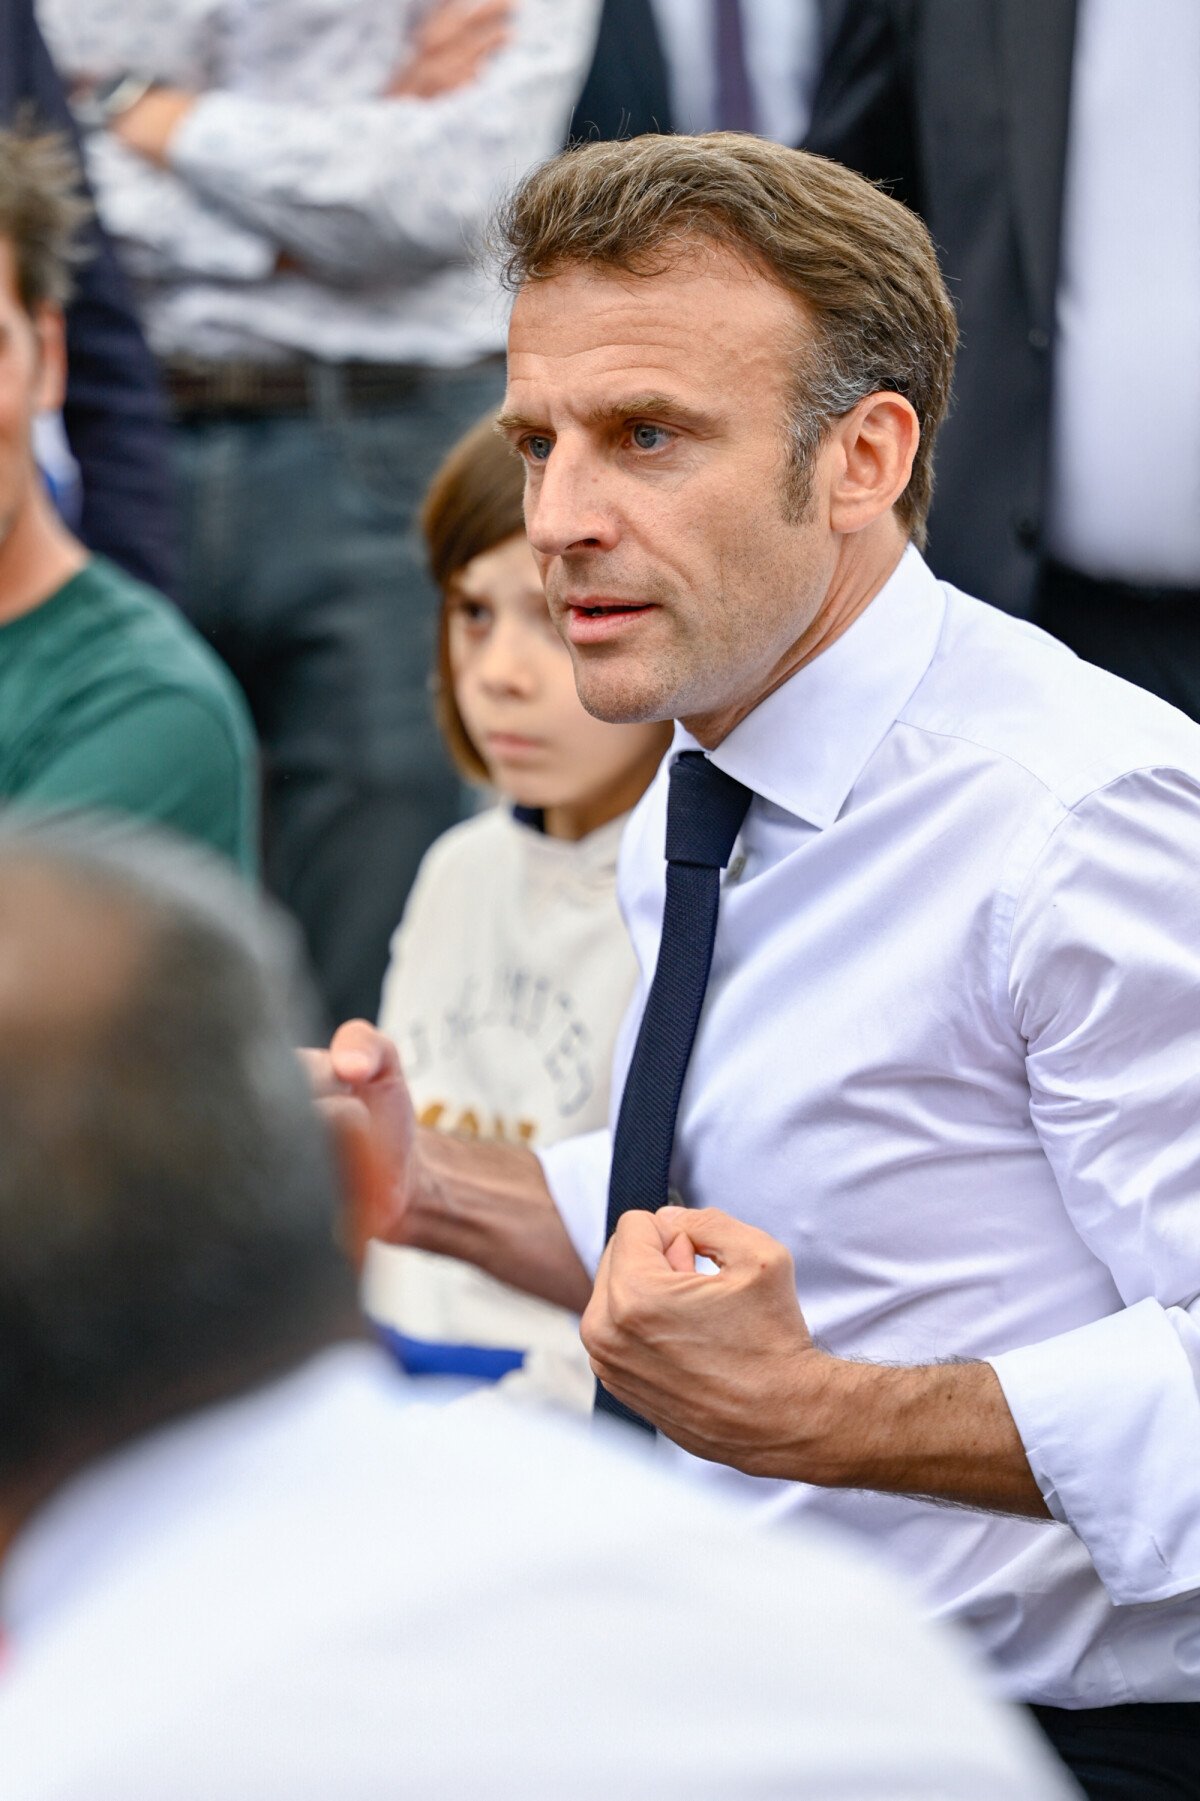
(361,1072)
(723,1364)
(151,122)
(485,1203)
(451,46)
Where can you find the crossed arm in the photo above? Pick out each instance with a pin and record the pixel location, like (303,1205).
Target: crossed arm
(448,50)
(724,1365)
(230,184)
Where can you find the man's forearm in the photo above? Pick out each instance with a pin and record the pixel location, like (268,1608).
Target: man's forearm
(940,1430)
(488,1204)
(726,1366)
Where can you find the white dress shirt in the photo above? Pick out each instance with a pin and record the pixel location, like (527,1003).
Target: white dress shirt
(782,40)
(1125,424)
(325,1592)
(378,204)
(950,1056)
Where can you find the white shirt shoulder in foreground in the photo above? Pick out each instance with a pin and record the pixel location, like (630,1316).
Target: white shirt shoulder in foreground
(322,1593)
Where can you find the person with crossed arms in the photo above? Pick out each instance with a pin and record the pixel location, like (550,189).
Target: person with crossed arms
(921,1065)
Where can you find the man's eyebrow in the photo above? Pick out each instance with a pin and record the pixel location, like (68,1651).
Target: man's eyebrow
(612,412)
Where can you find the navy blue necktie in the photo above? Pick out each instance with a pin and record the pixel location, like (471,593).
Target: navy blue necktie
(705,810)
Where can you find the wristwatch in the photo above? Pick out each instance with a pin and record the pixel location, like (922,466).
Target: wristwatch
(97,106)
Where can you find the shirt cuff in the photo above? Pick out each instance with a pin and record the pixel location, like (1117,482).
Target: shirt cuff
(576,1172)
(1110,1419)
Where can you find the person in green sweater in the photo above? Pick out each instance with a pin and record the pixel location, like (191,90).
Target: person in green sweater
(109,701)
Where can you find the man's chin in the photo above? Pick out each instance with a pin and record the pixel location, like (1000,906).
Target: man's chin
(621,702)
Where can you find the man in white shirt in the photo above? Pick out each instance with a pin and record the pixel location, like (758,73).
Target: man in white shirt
(238,1559)
(947,1066)
(298,191)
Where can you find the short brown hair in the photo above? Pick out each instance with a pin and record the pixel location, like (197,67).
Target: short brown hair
(861,264)
(41,213)
(473,503)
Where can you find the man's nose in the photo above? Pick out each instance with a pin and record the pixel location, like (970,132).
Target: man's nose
(567,507)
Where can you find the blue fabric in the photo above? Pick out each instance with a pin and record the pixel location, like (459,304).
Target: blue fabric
(429,1357)
(705,810)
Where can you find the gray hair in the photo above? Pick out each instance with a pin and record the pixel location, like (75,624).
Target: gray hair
(167,1198)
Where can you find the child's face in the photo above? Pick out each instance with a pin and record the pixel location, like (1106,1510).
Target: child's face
(515,689)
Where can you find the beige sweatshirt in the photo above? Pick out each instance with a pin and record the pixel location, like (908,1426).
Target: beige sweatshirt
(509,974)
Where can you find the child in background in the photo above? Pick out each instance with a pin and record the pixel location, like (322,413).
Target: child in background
(511,968)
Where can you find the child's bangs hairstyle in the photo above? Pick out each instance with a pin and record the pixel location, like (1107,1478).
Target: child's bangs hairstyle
(474,502)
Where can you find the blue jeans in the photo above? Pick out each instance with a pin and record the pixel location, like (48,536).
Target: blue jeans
(302,567)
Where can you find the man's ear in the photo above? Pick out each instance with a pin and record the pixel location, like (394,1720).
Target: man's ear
(51,332)
(363,1189)
(878,440)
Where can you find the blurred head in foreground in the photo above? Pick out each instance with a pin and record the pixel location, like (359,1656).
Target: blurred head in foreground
(167,1210)
(322,1591)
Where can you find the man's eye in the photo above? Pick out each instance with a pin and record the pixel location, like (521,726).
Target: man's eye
(649,437)
(536,449)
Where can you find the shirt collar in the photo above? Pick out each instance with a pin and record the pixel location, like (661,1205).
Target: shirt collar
(806,744)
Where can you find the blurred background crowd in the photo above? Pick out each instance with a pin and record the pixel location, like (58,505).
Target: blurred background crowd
(289,201)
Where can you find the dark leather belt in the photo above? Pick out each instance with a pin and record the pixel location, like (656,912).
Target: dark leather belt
(305,386)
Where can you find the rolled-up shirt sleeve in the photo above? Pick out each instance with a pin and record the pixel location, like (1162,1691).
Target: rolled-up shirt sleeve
(355,190)
(576,1172)
(1104,983)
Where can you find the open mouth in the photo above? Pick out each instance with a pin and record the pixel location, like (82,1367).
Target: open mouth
(596,621)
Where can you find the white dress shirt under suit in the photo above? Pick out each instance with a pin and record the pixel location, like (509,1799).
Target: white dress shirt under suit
(1125,424)
(782,41)
(950,1056)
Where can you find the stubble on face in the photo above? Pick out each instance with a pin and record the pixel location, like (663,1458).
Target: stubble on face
(708,650)
(705,532)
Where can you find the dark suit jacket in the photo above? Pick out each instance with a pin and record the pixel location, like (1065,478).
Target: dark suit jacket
(114,415)
(626,92)
(962,106)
